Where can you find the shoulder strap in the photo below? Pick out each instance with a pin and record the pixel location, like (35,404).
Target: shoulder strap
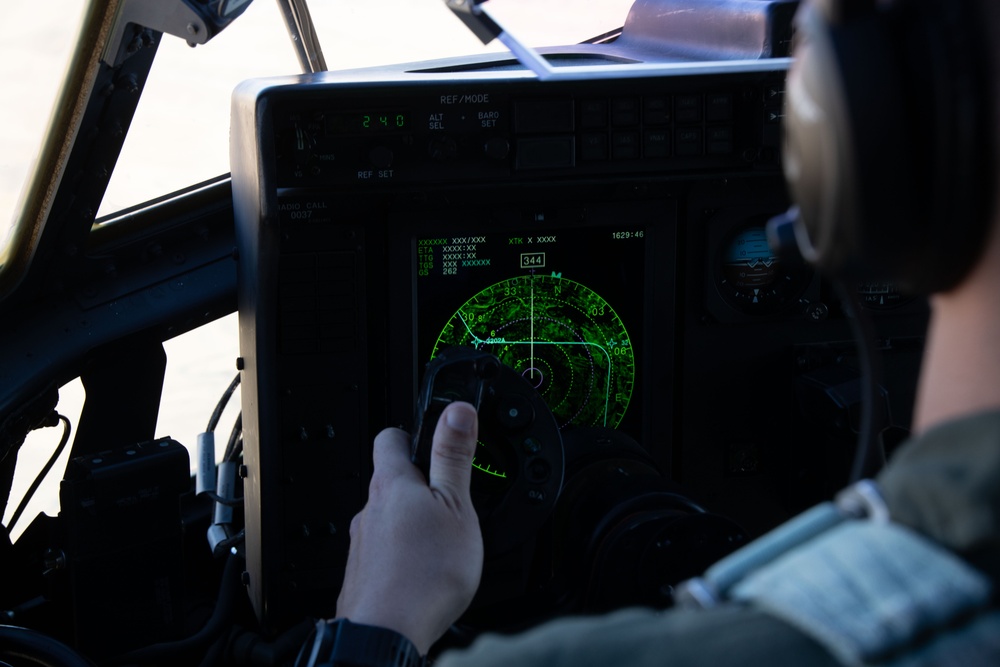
(870,591)
(866,591)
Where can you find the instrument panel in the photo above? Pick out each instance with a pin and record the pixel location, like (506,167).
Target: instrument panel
(599,233)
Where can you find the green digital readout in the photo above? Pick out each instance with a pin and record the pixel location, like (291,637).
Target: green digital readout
(365,122)
(383,121)
(561,336)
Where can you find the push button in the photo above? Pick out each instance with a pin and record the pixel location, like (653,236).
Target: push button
(624,112)
(719,107)
(538,471)
(625,145)
(594,146)
(380,157)
(688,141)
(656,143)
(656,110)
(531,445)
(496,148)
(687,108)
(515,412)
(593,113)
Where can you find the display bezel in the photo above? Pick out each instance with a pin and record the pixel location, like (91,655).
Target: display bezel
(641,294)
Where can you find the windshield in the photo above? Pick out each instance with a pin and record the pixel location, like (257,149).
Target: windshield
(178,137)
(34,51)
(194,84)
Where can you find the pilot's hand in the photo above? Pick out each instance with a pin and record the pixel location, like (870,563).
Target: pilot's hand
(416,549)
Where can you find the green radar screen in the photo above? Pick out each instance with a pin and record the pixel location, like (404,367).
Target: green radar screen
(561,336)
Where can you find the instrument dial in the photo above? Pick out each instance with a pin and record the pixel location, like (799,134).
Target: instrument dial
(752,279)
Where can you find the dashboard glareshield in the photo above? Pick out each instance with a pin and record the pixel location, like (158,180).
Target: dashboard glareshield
(561,305)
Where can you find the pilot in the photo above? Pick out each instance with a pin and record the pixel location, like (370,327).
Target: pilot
(899,571)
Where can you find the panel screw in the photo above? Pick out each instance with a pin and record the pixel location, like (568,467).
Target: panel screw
(53,560)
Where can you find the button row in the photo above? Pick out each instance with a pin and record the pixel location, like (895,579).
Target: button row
(656,110)
(632,145)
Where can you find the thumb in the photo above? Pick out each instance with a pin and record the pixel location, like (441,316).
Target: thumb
(452,449)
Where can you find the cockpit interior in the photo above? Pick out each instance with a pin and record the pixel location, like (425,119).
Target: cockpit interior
(590,215)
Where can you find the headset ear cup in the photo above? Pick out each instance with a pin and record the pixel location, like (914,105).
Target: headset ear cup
(887,147)
(846,163)
(816,166)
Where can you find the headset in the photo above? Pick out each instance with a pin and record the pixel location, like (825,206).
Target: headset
(888,141)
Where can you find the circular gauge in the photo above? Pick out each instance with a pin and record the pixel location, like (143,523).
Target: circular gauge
(754,280)
(562,337)
(880,295)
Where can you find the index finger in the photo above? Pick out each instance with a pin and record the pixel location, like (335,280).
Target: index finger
(453,447)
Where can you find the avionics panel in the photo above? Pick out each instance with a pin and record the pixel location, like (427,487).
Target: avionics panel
(381,218)
(481,129)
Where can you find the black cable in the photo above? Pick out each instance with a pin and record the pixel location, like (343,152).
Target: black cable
(41,475)
(221,405)
(231,542)
(868,457)
(235,444)
(238,449)
(228,502)
(215,653)
(229,587)
(27,648)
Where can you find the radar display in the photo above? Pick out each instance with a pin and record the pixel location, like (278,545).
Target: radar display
(561,336)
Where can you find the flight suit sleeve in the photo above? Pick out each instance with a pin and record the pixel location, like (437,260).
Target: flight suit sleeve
(737,636)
